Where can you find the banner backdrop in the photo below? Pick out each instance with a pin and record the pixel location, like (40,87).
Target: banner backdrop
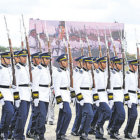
(56,30)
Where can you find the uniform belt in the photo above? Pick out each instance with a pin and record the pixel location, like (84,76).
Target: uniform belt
(65,88)
(131,91)
(24,85)
(117,88)
(86,88)
(100,90)
(4,86)
(44,85)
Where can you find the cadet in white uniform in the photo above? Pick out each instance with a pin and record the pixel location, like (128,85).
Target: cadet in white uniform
(78,117)
(23,87)
(44,93)
(131,85)
(36,68)
(6,92)
(118,98)
(101,97)
(83,89)
(63,97)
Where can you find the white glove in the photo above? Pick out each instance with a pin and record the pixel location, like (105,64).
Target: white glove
(97,103)
(129,103)
(17,103)
(82,102)
(2,101)
(71,89)
(61,105)
(111,103)
(36,102)
(30,84)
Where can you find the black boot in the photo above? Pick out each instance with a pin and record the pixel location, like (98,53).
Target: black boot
(129,136)
(84,137)
(30,134)
(114,135)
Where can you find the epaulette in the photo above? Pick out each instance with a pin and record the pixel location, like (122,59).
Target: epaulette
(0,67)
(17,66)
(59,70)
(97,70)
(39,67)
(113,72)
(76,70)
(81,71)
(128,72)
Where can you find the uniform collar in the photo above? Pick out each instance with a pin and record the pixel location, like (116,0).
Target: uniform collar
(131,71)
(44,65)
(85,69)
(62,68)
(34,64)
(111,68)
(22,64)
(116,70)
(78,67)
(101,70)
(6,66)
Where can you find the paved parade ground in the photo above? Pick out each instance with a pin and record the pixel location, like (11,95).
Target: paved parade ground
(50,129)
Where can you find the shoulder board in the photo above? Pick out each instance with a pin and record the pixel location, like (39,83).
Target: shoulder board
(17,66)
(59,70)
(128,72)
(76,70)
(97,70)
(81,71)
(113,72)
(32,68)
(0,67)
(39,67)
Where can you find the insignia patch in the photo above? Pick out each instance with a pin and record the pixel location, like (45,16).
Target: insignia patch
(59,70)
(128,72)
(76,70)
(32,68)
(97,70)
(39,67)
(113,72)
(0,67)
(81,71)
(17,66)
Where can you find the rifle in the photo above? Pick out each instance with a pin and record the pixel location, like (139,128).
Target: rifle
(70,60)
(108,61)
(22,44)
(82,49)
(11,52)
(28,49)
(90,55)
(100,50)
(115,53)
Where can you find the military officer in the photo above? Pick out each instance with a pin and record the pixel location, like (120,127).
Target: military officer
(23,87)
(63,97)
(44,93)
(131,86)
(76,74)
(83,89)
(31,130)
(6,92)
(101,96)
(118,98)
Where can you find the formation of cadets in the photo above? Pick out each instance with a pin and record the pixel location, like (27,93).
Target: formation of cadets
(94,106)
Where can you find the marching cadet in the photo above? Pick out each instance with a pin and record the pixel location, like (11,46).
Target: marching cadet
(113,113)
(76,74)
(31,130)
(23,87)
(6,92)
(83,89)
(16,103)
(44,94)
(118,97)
(101,97)
(131,86)
(63,97)
(95,108)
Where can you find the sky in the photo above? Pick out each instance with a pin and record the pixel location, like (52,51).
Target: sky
(123,11)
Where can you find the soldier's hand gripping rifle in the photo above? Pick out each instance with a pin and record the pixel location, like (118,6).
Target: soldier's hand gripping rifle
(99,41)
(11,52)
(90,55)
(28,49)
(114,47)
